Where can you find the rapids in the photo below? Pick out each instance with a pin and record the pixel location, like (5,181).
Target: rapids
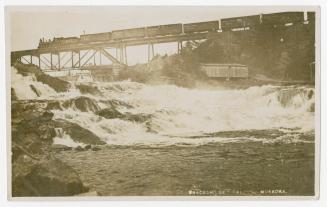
(127,113)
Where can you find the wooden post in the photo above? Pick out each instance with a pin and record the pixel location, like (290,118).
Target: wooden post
(100,57)
(31,59)
(152,47)
(58,60)
(72,59)
(94,57)
(178,48)
(51,64)
(125,53)
(39,61)
(79,59)
(148,52)
(121,54)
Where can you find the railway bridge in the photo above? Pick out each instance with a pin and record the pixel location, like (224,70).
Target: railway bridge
(90,50)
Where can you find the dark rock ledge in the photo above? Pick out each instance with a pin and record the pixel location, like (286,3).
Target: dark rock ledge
(35,169)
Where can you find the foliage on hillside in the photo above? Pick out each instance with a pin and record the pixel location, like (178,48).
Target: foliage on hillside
(277,52)
(281,53)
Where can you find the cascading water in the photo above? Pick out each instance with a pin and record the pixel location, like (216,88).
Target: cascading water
(26,87)
(177,115)
(63,138)
(246,140)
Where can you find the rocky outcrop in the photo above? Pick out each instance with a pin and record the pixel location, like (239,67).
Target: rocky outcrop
(55,83)
(78,133)
(112,113)
(32,128)
(46,177)
(87,89)
(35,172)
(81,103)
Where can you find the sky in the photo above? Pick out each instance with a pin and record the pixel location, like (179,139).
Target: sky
(28,24)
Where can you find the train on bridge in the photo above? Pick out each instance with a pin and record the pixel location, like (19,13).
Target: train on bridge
(226,24)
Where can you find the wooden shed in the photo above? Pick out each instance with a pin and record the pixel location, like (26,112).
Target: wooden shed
(215,70)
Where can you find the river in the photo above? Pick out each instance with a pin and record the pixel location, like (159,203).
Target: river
(169,140)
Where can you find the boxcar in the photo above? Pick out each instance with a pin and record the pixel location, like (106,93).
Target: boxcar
(106,36)
(240,22)
(65,40)
(201,26)
(231,23)
(214,70)
(282,18)
(250,21)
(162,30)
(311,17)
(128,33)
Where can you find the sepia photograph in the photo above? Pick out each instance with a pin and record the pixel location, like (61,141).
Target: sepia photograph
(178,101)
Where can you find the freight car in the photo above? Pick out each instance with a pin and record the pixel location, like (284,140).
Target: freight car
(283,18)
(201,27)
(240,22)
(65,40)
(128,33)
(231,23)
(162,30)
(227,71)
(251,21)
(106,36)
(311,17)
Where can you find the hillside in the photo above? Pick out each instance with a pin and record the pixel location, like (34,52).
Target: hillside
(281,54)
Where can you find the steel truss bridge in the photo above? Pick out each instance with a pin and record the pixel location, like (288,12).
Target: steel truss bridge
(80,54)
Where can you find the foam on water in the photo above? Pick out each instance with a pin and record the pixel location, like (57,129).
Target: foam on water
(64,139)
(178,113)
(22,86)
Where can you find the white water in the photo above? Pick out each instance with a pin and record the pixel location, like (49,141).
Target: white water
(177,113)
(64,139)
(22,86)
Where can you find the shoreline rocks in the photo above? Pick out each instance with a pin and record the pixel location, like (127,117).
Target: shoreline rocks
(47,177)
(57,84)
(35,171)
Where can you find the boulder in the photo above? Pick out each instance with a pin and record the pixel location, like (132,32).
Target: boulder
(87,89)
(87,147)
(48,177)
(78,133)
(96,148)
(82,103)
(112,113)
(60,147)
(55,83)
(32,128)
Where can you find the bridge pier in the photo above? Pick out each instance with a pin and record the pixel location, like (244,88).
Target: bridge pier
(59,65)
(51,65)
(179,46)
(39,56)
(125,52)
(122,50)
(150,51)
(72,58)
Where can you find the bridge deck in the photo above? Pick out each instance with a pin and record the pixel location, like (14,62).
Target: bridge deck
(118,43)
